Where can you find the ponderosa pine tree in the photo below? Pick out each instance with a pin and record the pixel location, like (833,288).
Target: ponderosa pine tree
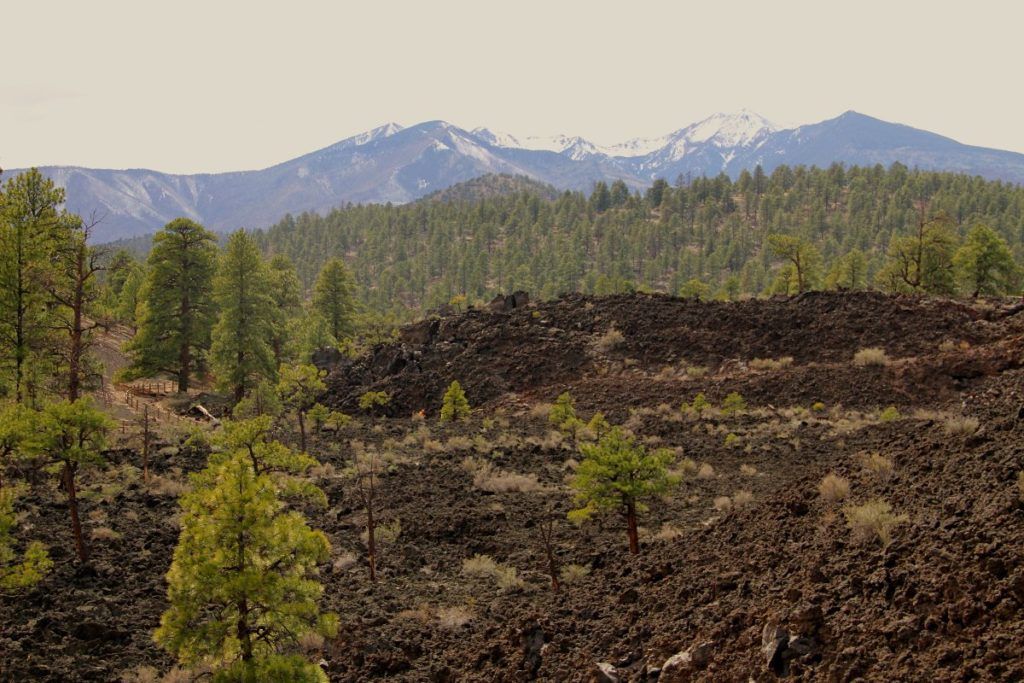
(454,406)
(178,310)
(985,265)
(287,295)
(242,585)
(241,351)
(334,299)
(72,435)
(803,257)
(30,230)
(849,272)
(617,473)
(74,291)
(299,388)
(922,260)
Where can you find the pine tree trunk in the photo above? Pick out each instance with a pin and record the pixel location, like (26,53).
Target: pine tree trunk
(302,431)
(634,541)
(371,542)
(76,524)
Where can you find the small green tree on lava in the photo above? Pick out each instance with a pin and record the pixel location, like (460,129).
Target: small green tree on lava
(242,584)
(617,473)
(455,407)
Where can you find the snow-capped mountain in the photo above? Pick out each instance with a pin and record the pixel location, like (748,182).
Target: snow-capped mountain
(398,164)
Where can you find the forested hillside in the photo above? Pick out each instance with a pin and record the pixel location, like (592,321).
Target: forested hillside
(703,236)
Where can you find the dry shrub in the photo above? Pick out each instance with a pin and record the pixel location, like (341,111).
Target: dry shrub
(324,470)
(871,357)
(742,499)
(486,477)
(508,579)
(460,443)
(311,642)
(433,446)
(871,520)
(705,471)
(541,411)
(696,371)
(748,470)
(609,341)
(343,561)
(479,566)
(104,533)
(573,573)
(771,363)
(877,465)
(422,613)
(454,617)
(667,533)
(833,488)
(722,503)
(961,426)
(687,467)
(166,486)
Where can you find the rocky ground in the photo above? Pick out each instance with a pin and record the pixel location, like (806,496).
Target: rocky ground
(728,586)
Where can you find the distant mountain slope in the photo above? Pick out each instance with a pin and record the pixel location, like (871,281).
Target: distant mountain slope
(396,164)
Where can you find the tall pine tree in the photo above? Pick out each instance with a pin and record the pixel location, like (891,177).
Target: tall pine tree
(177,310)
(241,351)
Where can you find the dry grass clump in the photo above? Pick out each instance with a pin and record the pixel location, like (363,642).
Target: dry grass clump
(311,642)
(479,566)
(833,488)
(609,341)
(961,426)
(686,468)
(104,533)
(877,465)
(459,443)
(484,566)
(486,477)
(871,357)
(552,441)
(748,470)
(705,471)
(343,561)
(770,363)
(167,486)
(742,498)
(541,411)
(696,371)
(324,470)
(871,520)
(454,617)
(573,573)
(722,503)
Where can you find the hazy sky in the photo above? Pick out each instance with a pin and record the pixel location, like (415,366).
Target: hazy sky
(211,86)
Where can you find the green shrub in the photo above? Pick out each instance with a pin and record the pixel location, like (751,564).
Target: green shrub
(733,403)
(890,414)
(455,407)
(372,399)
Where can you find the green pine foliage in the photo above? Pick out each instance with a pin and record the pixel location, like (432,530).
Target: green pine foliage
(411,258)
(617,473)
(176,310)
(241,349)
(985,265)
(242,585)
(334,299)
(31,230)
(72,436)
(299,388)
(563,414)
(454,406)
(35,562)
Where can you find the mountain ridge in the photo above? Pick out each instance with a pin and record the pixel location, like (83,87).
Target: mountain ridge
(399,164)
